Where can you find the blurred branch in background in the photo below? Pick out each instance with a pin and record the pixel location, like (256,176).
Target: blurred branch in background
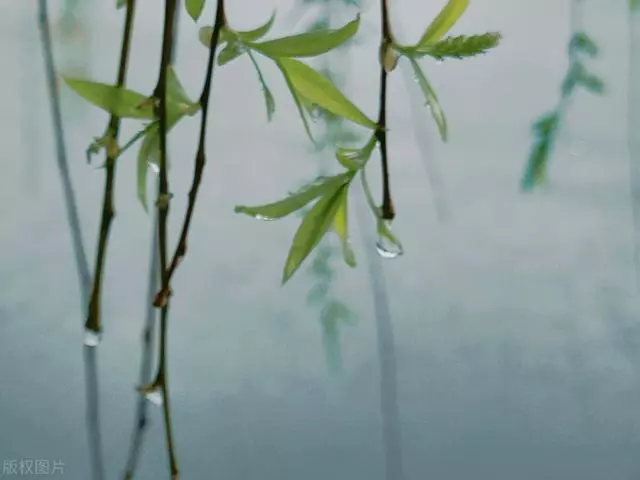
(334,312)
(546,128)
(82,265)
(632,137)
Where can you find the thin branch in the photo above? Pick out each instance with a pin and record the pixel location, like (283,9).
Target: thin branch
(200,161)
(141,420)
(388,212)
(82,265)
(160,95)
(94,322)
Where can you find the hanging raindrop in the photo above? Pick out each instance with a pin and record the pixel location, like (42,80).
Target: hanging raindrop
(91,338)
(153,394)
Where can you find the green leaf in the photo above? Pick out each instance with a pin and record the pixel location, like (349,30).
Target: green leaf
(296,200)
(355,158)
(177,97)
(149,154)
(121,3)
(318,89)
(581,42)
(634,4)
(299,103)
(546,124)
(431,99)
(228,35)
(312,229)
(591,82)
(308,44)
(194,8)
(536,172)
(256,33)
(449,15)
(231,51)
(461,46)
(120,102)
(268,96)
(341,226)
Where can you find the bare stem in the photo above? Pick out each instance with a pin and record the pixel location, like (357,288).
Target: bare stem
(160,95)
(82,264)
(94,322)
(141,420)
(388,212)
(200,160)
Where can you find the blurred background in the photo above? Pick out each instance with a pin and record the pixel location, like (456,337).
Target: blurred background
(516,316)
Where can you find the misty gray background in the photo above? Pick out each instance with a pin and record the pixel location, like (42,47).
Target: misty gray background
(516,320)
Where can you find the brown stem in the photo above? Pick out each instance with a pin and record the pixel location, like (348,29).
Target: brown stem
(388,212)
(94,322)
(200,159)
(160,95)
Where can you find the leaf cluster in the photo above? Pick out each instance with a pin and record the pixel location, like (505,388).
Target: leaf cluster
(311,91)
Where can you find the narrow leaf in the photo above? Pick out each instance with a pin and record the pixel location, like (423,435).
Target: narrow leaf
(149,155)
(226,34)
(121,3)
(311,230)
(297,200)
(231,51)
(308,44)
(176,95)
(355,158)
(536,172)
(318,89)
(341,226)
(299,103)
(449,15)
(268,96)
(194,8)
(431,99)
(120,102)
(581,42)
(461,46)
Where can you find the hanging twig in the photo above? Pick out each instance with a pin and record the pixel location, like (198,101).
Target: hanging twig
(94,323)
(388,212)
(82,265)
(141,420)
(200,160)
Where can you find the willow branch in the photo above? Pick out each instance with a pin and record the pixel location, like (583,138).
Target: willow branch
(82,264)
(141,420)
(200,160)
(160,95)
(388,212)
(94,322)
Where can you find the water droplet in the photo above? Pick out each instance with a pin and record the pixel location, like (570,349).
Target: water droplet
(154,167)
(440,62)
(263,218)
(387,249)
(91,338)
(315,112)
(153,394)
